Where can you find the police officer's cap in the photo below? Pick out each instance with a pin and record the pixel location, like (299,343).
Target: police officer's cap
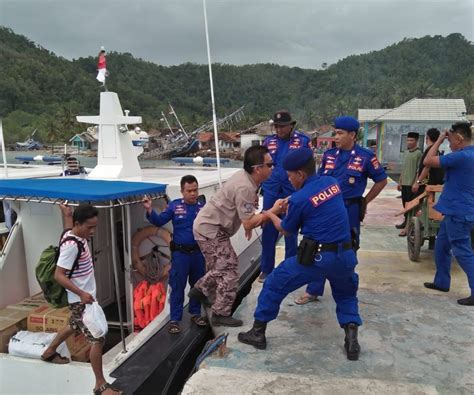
(349,124)
(283,118)
(297,158)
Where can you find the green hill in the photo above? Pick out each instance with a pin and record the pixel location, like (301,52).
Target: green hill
(41,90)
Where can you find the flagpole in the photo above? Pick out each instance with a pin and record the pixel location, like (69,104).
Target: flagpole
(214,120)
(4,152)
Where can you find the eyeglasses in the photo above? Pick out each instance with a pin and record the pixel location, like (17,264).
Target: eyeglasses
(269,165)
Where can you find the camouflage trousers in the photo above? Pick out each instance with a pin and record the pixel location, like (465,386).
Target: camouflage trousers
(220,282)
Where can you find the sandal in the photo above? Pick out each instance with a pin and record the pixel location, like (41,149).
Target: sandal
(199,320)
(306,298)
(174,328)
(103,387)
(56,358)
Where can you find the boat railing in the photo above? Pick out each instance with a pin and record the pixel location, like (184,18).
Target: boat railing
(6,244)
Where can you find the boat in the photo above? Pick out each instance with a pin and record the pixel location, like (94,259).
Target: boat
(137,362)
(29,144)
(198,160)
(51,160)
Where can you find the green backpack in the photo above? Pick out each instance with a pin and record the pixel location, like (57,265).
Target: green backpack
(54,293)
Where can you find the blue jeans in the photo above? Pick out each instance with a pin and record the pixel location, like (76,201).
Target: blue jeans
(337,267)
(454,238)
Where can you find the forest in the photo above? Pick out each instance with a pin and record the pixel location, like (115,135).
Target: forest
(43,91)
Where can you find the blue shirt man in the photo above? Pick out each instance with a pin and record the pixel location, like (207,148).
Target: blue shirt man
(277,186)
(351,165)
(457,204)
(317,208)
(187,260)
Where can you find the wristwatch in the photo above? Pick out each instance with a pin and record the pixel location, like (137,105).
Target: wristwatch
(418,182)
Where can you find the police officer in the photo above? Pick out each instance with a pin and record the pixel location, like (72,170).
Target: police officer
(187,260)
(457,204)
(351,165)
(277,186)
(325,251)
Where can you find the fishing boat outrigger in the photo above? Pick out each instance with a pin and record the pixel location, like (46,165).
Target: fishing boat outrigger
(139,361)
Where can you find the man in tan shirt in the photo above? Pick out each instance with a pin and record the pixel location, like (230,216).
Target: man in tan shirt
(232,206)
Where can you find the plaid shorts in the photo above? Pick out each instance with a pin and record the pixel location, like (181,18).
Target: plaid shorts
(75,322)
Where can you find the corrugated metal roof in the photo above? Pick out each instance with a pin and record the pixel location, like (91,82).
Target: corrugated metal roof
(422,110)
(366,114)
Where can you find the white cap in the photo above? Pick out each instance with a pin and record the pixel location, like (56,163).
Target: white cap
(102,48)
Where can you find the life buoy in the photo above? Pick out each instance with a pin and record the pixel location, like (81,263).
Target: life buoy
(141,260)
(149,295)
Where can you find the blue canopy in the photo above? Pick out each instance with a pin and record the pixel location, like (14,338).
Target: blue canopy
(76,189)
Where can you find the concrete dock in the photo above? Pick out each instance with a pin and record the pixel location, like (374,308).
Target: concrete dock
(414,340)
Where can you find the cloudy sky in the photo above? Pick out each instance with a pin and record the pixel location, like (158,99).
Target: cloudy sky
(302,33)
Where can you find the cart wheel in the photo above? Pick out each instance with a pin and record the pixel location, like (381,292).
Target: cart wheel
(414,239)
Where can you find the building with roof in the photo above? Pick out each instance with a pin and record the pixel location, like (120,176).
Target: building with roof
(227,141)
(85,141)
(385,130)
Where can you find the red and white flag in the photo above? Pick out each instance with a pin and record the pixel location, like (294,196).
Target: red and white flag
(101,66)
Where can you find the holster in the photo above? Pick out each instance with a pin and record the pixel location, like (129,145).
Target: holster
(306,252)
(354,240)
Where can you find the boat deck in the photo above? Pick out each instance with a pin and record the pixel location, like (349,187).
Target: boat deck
(413,340)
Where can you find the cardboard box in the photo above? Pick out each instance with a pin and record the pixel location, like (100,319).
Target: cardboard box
(29,304)
(48,319)
(11,321)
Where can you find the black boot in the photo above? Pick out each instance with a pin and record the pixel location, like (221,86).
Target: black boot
(255,336)
(350,342)
(467,301)
(434,286)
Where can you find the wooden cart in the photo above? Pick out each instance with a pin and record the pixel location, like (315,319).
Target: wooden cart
(423,220)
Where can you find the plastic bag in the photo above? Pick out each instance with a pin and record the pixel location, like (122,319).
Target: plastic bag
(27,344)
(94,319)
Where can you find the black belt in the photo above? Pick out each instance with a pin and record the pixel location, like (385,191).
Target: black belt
(309,249)
(334,247)
(186,248)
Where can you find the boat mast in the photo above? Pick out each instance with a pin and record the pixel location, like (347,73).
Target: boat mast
(167,123)
(4,152)
(214,119)
(177,120)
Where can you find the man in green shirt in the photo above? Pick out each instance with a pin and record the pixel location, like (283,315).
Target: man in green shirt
(409,172)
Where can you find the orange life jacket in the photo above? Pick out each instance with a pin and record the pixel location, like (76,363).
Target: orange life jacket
(148,302)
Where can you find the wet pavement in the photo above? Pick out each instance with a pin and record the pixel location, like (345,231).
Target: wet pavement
(414,340)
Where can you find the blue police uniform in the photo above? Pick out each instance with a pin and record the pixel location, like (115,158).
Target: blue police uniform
(187,260)
(276,187)
(351,168)
(457,204)
(318,209)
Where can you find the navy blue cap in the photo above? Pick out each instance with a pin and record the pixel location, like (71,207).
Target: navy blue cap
(349,124)
(297,158)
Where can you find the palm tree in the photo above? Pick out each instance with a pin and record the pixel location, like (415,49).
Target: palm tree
(68,120)
(53,133)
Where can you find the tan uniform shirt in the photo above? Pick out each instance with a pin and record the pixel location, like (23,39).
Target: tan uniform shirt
(226,210)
